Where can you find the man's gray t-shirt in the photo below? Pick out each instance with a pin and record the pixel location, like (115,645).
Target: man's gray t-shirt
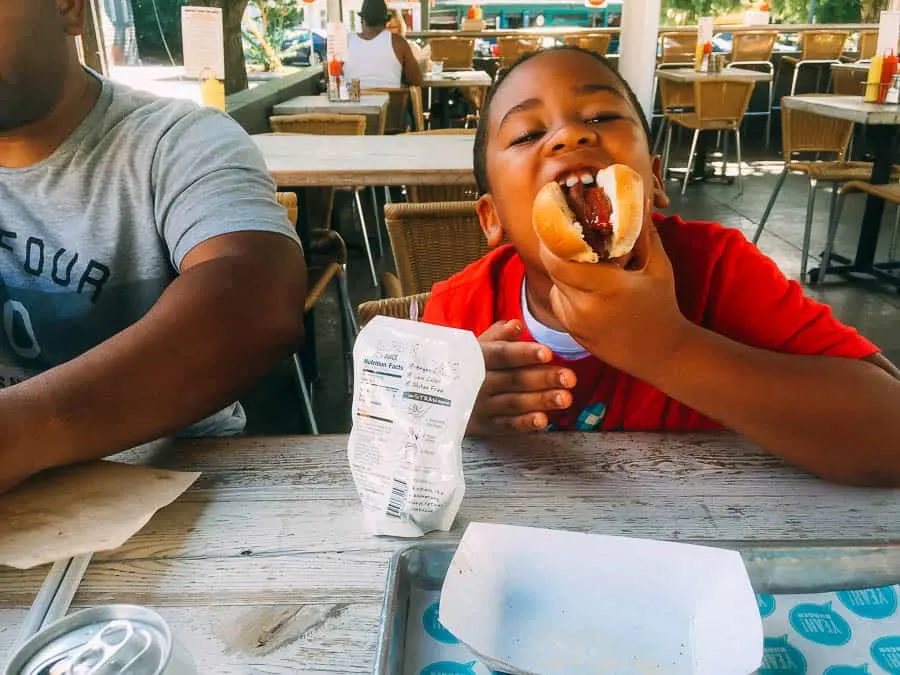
(91,237)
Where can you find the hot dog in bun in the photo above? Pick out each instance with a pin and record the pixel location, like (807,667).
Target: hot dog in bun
(591,218)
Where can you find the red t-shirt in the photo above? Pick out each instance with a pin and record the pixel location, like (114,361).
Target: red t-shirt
(723,283)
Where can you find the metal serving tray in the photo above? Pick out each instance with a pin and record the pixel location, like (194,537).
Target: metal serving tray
(417,573)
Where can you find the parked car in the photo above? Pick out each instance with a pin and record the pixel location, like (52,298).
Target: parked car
(303,47)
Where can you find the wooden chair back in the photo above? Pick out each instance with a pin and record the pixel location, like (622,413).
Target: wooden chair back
(822,45)
(803,131)
(678,47)
(717,101)
(457,53)
(321,125)
(433,241)
(394,120)
(511,48)
(594,42)
(868,43)
(394,307)
(753,46)
(848,82)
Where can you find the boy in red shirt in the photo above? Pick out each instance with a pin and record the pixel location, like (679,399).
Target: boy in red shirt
(698,331)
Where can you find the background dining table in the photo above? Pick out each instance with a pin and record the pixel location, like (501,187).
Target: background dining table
(443,83)
(264,565)
(361,161)
(373,106)
(881,124)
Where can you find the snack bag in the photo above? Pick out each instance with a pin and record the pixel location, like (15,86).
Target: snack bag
(415,387)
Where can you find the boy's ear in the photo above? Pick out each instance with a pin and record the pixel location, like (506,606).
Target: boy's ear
(660,198)
(489,220)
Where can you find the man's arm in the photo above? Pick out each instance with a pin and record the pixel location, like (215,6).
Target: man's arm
(234,310)
(412,74)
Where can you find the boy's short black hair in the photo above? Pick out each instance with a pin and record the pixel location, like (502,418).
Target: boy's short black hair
(480,151)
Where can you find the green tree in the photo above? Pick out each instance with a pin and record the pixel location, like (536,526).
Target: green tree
(265,25)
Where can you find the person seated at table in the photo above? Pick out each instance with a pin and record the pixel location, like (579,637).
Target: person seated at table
(698,330)
(377,57)
(148,276)
(397,26)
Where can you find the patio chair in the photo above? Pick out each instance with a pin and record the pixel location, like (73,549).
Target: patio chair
(807,132)
(443,193)
(889,193)
(430,242)
(509,49)
(399,308)
(334,125)
(817,48)
(324,269)
(395,120)
(867,44)
(719,105)
(676,50)
(754,49)
(594,42)
(847,82)
(674,97)
(457,53)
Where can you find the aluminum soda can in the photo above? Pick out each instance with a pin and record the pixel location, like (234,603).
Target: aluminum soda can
(104,640)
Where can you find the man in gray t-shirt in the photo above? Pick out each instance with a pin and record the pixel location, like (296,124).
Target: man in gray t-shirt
(147,274)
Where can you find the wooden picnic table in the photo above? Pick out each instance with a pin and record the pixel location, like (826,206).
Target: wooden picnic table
(263,565)
(373,106)
(881,125)
(360,161)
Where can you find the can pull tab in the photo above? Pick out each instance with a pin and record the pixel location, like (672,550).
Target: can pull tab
(112,651)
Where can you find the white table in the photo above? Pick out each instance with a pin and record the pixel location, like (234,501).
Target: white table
(685,75)
(882,123)
(263,565)
(373,106)
(458,78)
(450,79)
(358,161)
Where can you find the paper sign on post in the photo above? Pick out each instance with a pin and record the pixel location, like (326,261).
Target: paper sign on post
(888,33)
(337,41)
(204,42)
(705,29)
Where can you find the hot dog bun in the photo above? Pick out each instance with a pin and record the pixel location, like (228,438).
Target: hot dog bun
(556,225)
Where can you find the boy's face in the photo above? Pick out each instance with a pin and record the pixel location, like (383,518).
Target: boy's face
(560,113)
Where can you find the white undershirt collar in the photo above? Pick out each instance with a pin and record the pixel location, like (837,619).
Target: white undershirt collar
(561,344)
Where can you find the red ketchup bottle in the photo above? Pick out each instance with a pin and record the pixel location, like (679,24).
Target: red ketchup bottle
(888,70)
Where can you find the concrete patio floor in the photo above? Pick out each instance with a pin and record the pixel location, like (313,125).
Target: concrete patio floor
(273,407)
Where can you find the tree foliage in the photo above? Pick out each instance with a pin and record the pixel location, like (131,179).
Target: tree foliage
(265,27)
(783,11)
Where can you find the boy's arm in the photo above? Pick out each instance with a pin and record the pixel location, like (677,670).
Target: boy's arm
(834,416)
(235,308)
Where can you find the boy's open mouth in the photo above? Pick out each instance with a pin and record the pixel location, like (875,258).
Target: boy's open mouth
(592,209)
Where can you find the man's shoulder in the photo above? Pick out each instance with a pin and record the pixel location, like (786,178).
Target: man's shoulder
(141,117)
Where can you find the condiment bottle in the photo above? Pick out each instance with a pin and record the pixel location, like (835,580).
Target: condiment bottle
(888,70)
(707,57)
(698,56)
(893,94)
(873,79)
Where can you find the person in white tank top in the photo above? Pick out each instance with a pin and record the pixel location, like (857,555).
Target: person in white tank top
(376,57)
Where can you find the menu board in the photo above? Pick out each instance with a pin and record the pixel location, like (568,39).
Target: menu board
(203,39)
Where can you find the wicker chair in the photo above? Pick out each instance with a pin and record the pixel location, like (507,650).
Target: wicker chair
(807,132)
(754,49)
(322,272)
(848,81)
(889,193)
(394,122)
(817,48)
(333,125)
(399,308)
(457,53)
(868,43)
(509,49)
(719,105)
(443,193)
(674,97)
(594,42)
(431,242)
(677,50)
